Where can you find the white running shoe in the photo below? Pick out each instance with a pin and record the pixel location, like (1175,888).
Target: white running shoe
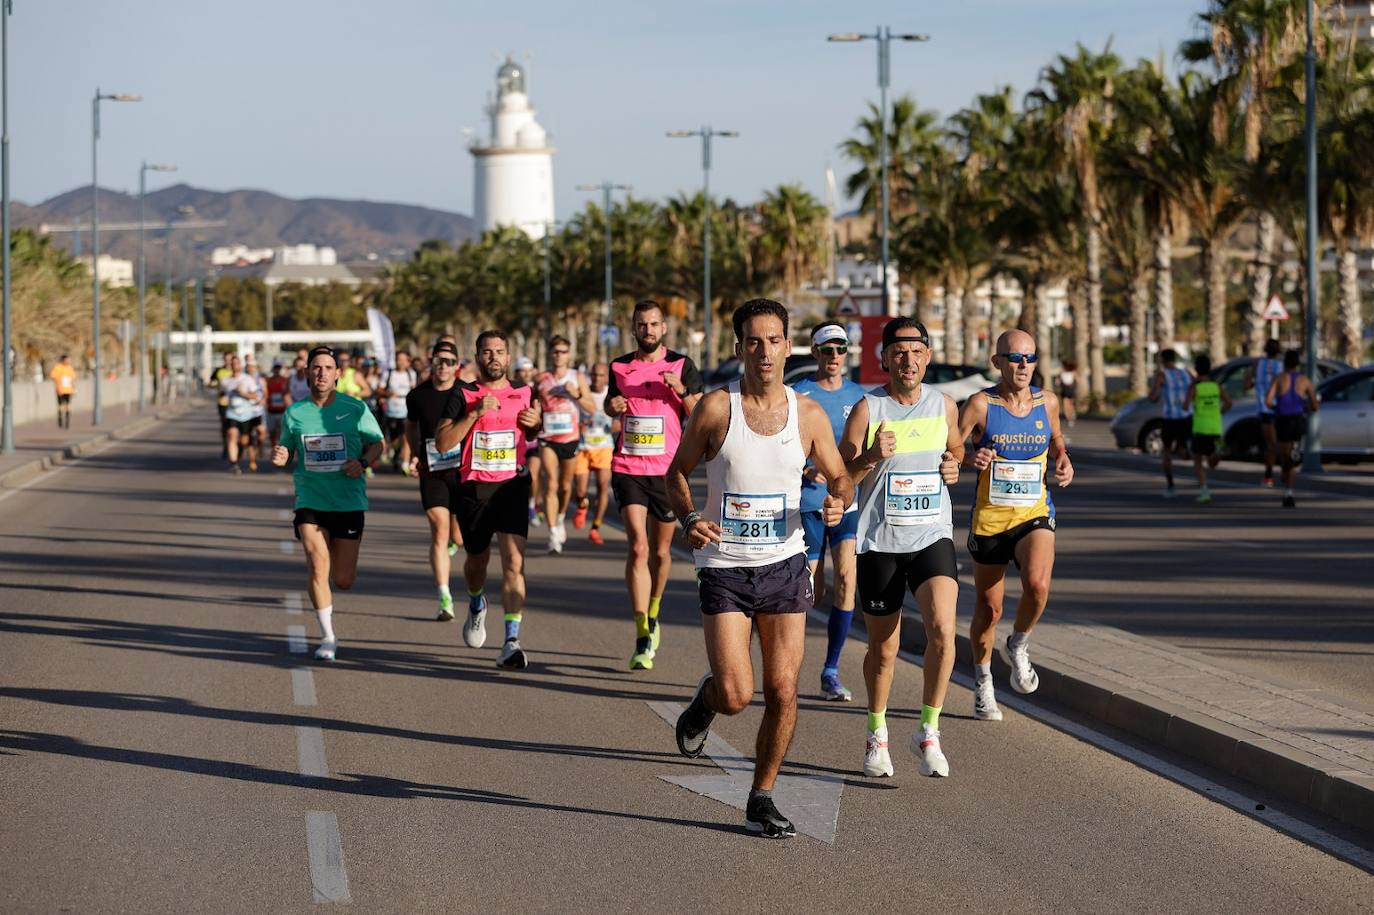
(1024,679)
(556,537)
(475,629)
(925,743)
(985,702)
(513,656)
(877,761)
(326,650)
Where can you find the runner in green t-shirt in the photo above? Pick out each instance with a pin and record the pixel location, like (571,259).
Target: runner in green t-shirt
(334,437)
(1207,401)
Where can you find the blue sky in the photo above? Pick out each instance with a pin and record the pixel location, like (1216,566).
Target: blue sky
(369,100)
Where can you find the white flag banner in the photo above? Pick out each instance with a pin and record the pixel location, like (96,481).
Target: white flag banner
(383,340)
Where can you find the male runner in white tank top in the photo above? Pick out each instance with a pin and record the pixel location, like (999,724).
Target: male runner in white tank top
(756,436)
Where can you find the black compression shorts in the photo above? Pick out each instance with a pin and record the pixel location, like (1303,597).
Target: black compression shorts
(884,578)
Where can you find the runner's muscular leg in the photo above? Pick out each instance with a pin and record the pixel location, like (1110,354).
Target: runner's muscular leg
(732,669)
(512,572)
(440,529)
(989,583)
(637,580)
(937,598)
(1035,554)
(782,638)
(880,660)
(316,545)
(343,562)
(660,556)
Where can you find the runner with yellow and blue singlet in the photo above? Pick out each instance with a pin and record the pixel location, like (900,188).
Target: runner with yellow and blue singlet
(1015,428)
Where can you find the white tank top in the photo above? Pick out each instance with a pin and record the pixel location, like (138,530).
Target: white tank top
(753,491)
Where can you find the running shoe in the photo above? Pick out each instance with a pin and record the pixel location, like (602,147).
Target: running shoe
(1290,502)
(985,701)
(1267,483)
(643,658)
(367,471)
(691,735)
(556,536)
(445,609)
(1169,492)
(594,535)
(580,517)
(452,548)
(925,743)
(326,650)
(235,469)
(1204,495)
(877,760)
(536,518)
(1024,679)
(832,690)
(540,519)
(252,466)
(655,634)
(513,656)
(475,629)
(761,816)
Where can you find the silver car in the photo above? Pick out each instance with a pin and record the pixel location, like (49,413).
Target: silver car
(1346,420)
(1138,424)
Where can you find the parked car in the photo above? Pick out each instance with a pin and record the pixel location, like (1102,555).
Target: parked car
(958,381)
(1138,423)
(1347,420)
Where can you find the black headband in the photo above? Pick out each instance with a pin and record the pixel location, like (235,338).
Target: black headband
(897,326)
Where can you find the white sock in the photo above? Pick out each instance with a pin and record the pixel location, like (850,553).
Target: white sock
(324,615)
(444,592)
(1288,492)
(984,671)
(1017,638)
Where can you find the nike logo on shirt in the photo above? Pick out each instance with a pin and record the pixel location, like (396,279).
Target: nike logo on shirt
(340,416)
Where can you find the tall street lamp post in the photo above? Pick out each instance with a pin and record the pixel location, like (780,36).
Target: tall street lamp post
(1311,454)
(606,188)
(95,229)
(7,420)
(143,170)
(884,38)
(706,133)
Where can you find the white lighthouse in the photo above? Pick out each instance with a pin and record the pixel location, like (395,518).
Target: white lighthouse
(513,171)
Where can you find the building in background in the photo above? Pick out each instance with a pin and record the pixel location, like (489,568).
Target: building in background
(513,170)
(1352,17)
(115,272)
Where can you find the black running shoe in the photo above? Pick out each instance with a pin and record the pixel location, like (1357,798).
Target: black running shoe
(1290,502)
(761,816)
(693,727)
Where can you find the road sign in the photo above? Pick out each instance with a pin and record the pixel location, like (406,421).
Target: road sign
(847,306)
(1275,310)
(610,335)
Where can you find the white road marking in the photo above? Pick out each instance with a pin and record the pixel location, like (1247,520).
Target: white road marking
(292,601)
(282,490)
(811,802)
(286,546)
(310,751)
(66,462)
(295,640)
(302,686)
(328,879)
(283,514)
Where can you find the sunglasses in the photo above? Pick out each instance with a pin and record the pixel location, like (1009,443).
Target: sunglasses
(560,352)
(1018,358)
(448,362)
(836,350)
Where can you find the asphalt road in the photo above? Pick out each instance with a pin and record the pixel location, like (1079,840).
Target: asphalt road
(154,727)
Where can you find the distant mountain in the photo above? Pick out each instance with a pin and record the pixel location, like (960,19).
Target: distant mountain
(357,229)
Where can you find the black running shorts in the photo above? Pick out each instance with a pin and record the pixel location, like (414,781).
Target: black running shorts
(779,587)
(651,492)
(1203,445)
(1000,549)
(338,525)
(487,509)
(566,451)
(885,578)
(1290,428)
(440,490)
(1176,432)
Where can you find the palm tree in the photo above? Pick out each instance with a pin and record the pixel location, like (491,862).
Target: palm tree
(1250,43)
(1198,168)
(1075,95)
(792,235)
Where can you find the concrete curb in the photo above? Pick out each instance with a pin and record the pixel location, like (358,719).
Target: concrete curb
(1293,775)
(23,473)
(1183,471)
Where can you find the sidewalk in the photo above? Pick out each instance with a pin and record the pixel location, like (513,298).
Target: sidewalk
(40,446)
(1092,439)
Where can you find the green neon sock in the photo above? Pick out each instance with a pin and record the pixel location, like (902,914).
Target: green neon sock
(653,607)
(512,626)
(877,720)
(641,626)
(477,593)
(930,716)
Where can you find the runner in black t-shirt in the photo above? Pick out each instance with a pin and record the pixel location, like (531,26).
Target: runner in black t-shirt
(438,471)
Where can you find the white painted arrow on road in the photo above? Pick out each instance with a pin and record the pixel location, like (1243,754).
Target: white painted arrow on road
(811,802)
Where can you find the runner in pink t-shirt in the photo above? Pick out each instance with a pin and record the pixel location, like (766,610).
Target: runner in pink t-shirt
(563,393)
(652,391)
